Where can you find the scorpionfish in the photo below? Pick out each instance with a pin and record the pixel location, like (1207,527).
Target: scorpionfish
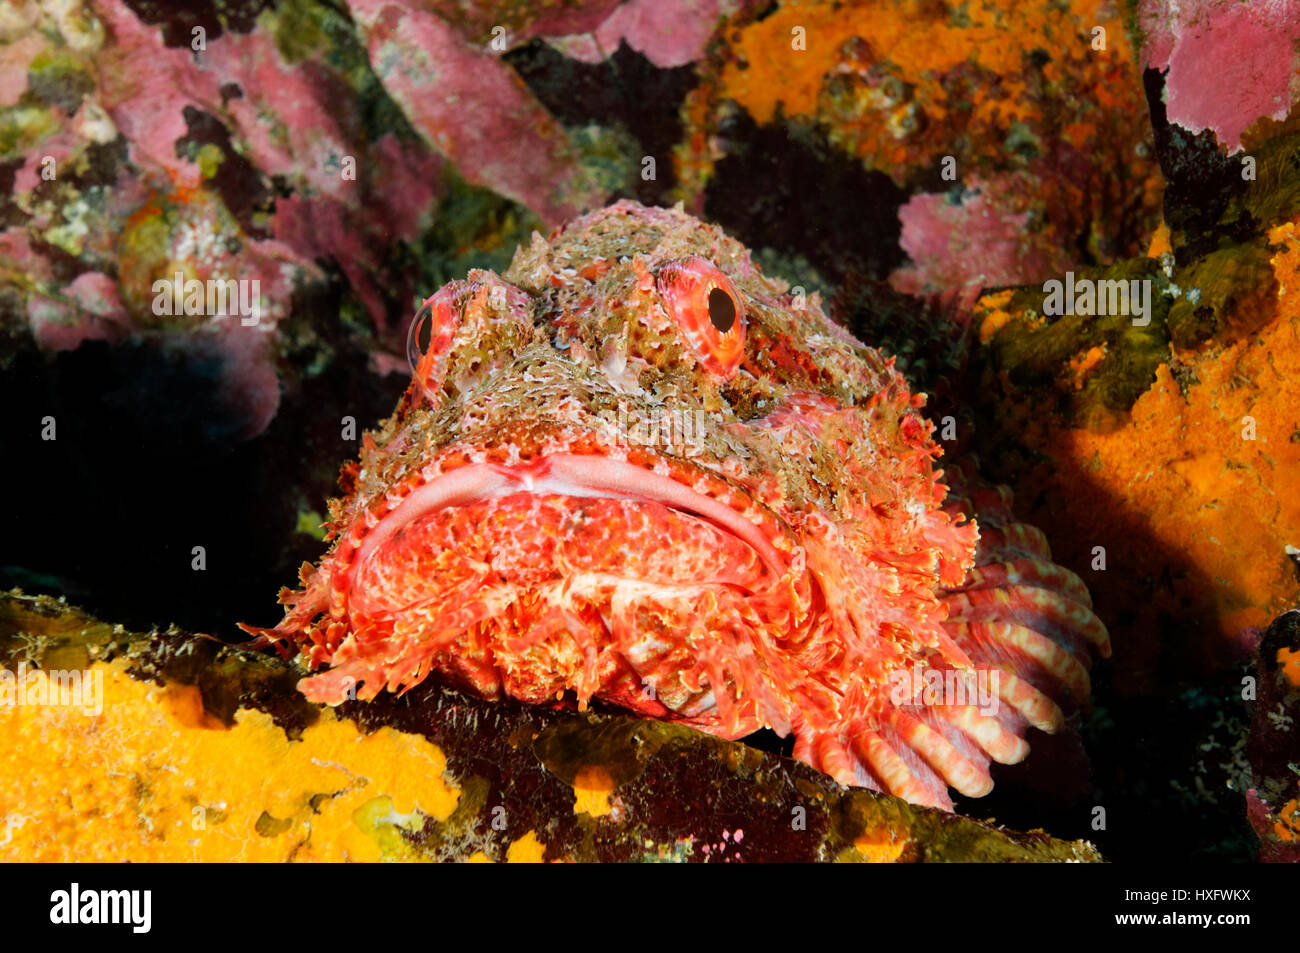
(636,469)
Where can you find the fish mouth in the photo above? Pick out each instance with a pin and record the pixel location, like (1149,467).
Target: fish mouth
(571,571)
(677,492)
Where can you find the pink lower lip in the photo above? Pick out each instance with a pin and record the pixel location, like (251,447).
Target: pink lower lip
(584,475)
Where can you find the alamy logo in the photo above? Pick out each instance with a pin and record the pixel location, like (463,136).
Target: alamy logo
(1107,296)
(937,687)
(103,906)
(54,687)
(215,296)
(682,430)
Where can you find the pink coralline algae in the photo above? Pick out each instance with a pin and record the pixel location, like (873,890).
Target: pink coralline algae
(1230,63)
(471,108)
(984,240)
(241,157)
(667,34)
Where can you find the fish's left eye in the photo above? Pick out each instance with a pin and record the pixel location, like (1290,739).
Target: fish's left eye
(708,309)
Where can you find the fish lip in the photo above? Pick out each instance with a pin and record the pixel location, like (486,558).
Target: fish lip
(579,475)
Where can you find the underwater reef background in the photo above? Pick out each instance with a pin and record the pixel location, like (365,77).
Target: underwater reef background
(925,165)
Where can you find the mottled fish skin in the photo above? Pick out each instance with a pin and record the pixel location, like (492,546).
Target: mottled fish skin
(635,468)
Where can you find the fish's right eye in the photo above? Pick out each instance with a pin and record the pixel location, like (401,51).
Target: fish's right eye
(429,340)
(417,338)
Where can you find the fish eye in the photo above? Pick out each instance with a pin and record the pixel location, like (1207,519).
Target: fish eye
(707,309)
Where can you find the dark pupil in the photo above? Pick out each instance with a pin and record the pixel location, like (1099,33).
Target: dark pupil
(722,310)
